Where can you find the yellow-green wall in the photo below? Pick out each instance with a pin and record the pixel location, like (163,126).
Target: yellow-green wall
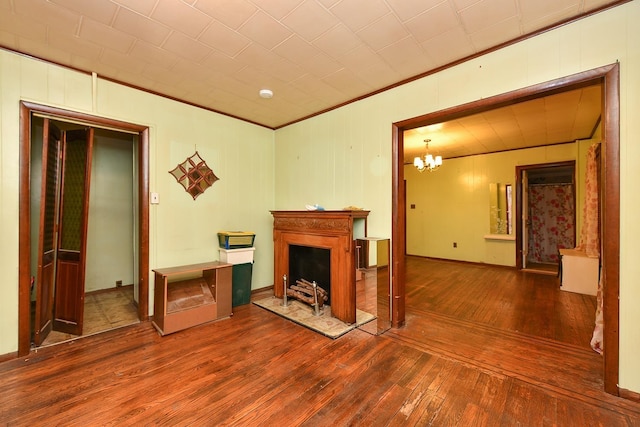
(343,157)
(182,231)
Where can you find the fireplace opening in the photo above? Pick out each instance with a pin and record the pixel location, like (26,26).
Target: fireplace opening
(311,264)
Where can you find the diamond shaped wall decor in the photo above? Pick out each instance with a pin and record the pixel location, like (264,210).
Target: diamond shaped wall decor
(194,175)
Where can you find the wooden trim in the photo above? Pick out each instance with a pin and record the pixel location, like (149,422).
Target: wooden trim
(143,224)
(24,227)
(611,226)
(24,206)
(261,290)
(609,75)
(629,395)
(398,230)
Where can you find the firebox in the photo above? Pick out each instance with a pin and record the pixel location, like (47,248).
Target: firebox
(311,264)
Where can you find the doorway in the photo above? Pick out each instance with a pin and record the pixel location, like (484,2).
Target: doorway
(546,212)
(124,139)
(608,76)
(82,213)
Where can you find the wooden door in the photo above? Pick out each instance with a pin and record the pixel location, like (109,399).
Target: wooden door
(45,282)
(72,236)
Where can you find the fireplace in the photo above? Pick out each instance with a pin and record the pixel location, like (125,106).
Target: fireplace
(331,233)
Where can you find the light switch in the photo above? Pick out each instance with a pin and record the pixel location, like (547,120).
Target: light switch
(155,198)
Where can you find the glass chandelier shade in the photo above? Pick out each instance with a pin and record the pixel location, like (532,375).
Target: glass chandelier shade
(429,162)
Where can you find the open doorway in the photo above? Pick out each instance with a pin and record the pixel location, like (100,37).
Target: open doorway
(83,188)
(546,212)
(95,247)
(608,78)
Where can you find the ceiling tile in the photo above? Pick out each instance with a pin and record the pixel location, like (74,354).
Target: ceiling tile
(362,59)
(447,47)
(328,3)
(407,9)
(295,48)
(407,57)
(492,36)
(8,39)
(314,87)
(355,15)
(140,27)
(22,27)
(433,22)
(265,30)
(143,7)
(221,63)
(232,13)
(52,15)
(277,8)
(384,32)
(44,50)
(120,60)
(224,39)
(347,83)
(487,12)
(337,41)
(100,11)
(180,16)
(534,10)
(105,36)
(153,55)
(59,40)
(186,47)
(310,20)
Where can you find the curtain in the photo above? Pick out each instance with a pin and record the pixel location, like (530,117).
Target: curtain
(552,225)
(590,236)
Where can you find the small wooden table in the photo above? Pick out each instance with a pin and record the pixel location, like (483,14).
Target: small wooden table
(190,295)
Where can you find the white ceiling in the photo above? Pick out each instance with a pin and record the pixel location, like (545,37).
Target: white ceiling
(313,54)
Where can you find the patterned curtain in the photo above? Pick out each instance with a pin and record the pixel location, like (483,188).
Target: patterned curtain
(552,225)
(590,236)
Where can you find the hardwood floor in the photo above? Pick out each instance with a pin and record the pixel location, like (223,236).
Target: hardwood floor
(473,353)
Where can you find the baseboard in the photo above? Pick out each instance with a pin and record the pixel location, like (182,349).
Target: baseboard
(459,261)
(105,290)
(260,290)
(8,356)
(629,395)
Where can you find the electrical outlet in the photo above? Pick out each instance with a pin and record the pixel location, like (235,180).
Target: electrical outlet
(118,282)
(455,244)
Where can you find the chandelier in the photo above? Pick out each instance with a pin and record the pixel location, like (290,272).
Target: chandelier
(429,163)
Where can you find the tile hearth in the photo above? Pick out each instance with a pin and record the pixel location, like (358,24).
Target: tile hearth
(302,314)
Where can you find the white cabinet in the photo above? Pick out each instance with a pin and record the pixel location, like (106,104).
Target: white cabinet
(580,272)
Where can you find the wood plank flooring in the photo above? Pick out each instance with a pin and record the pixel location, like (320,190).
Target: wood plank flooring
(475,362)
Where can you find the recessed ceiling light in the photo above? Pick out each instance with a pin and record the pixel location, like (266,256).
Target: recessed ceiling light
(266,93)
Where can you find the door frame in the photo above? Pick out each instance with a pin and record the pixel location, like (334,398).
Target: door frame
(520,244)
(27,109)
(609,76)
